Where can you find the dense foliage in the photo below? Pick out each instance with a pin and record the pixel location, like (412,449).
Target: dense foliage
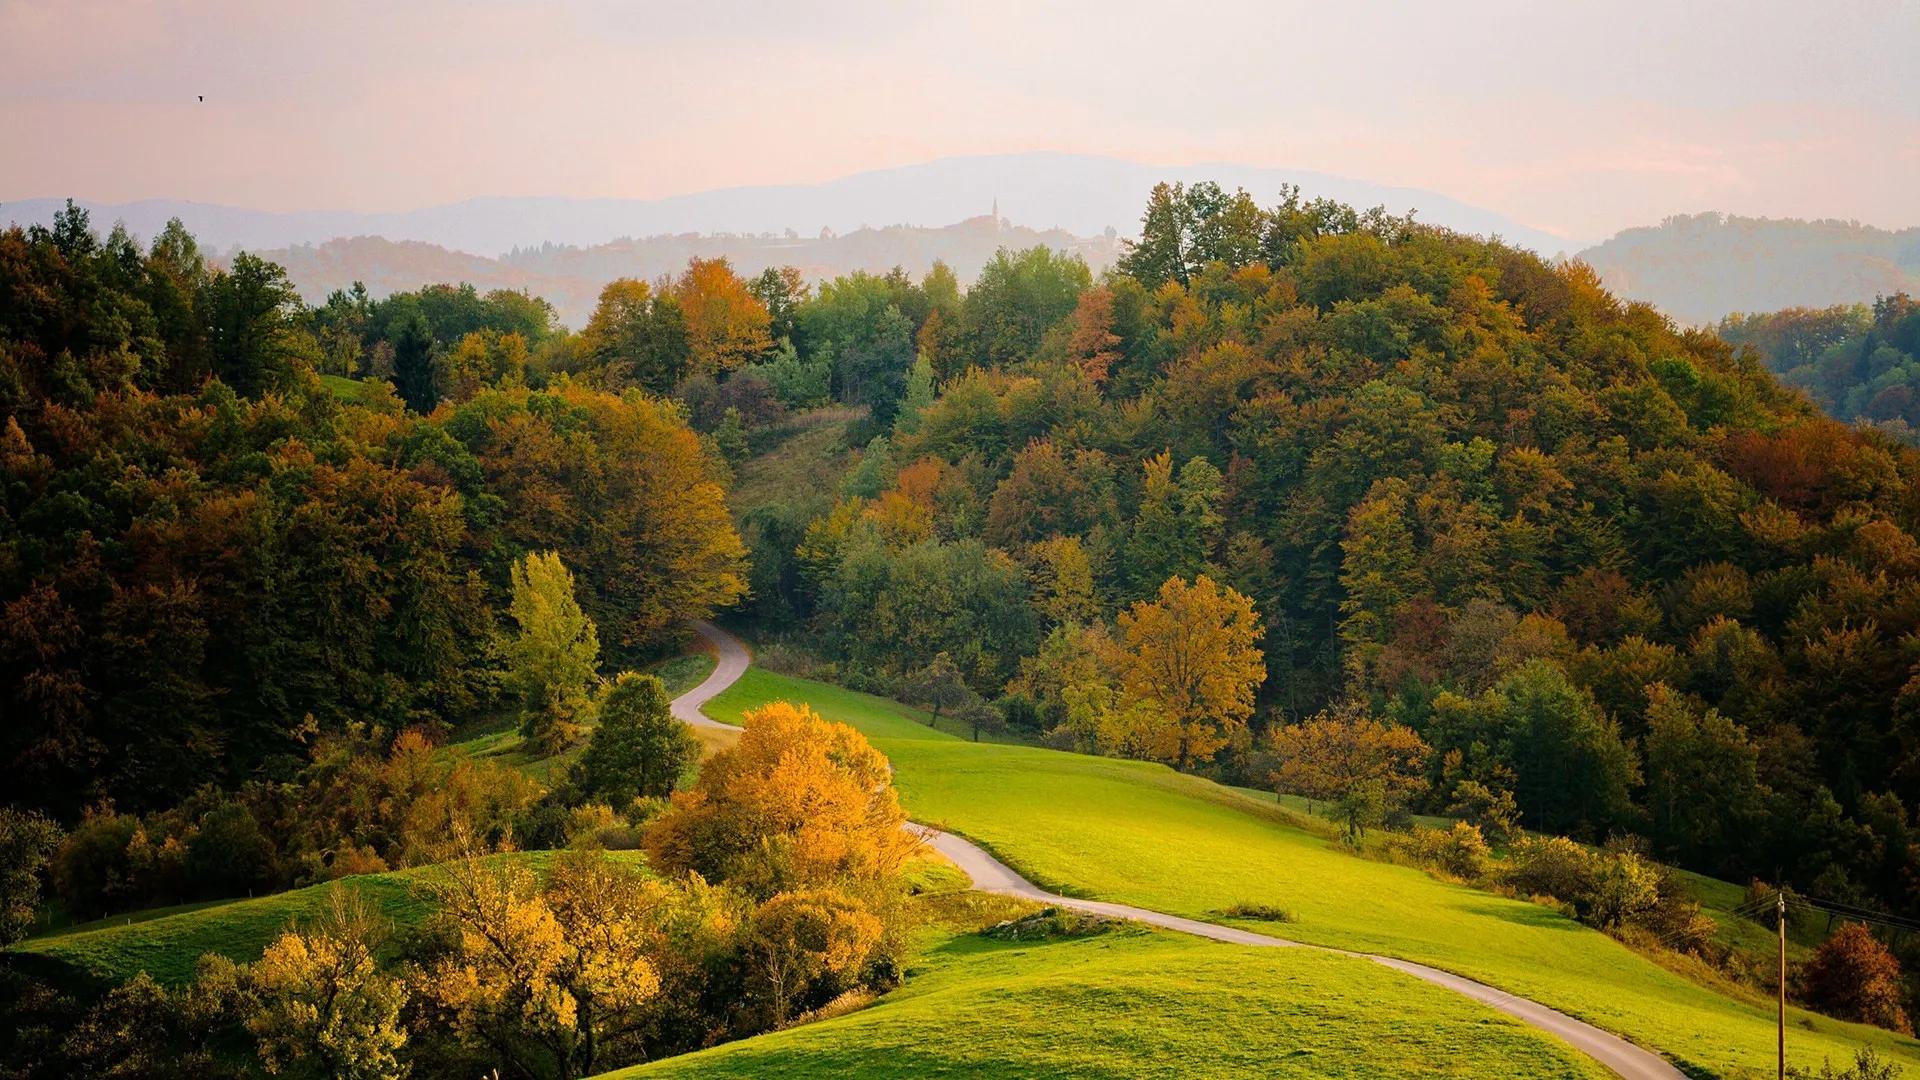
(207,558)
(1858,363)
(1617,577)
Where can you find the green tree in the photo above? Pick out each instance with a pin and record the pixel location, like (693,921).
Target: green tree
(1161,255)
(554,654)
(940,687)
(415,377)
(1017,299)
(252,333)
(638,749)
(1703,787)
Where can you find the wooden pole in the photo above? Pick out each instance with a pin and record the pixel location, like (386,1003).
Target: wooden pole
(1780,913)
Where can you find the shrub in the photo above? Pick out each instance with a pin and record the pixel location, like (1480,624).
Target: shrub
(1460,852)
(1493,810)
(1867,1065)
(1854,977)
(1257,912)
(1551,866)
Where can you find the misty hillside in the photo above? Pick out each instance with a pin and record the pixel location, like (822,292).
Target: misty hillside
(1082,194)
(1701,267)
(571,277)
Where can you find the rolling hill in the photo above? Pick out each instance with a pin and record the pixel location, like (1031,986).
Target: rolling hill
(1080,193)
(1701,267)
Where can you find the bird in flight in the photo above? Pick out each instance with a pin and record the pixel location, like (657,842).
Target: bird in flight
(202,97)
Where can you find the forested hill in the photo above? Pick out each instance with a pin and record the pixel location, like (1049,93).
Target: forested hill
(1859,363)
(1700,268)
(1608,569)
(1602,565)
(208,561)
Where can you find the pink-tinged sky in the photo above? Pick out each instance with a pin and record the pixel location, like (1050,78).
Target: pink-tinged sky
(1577,117)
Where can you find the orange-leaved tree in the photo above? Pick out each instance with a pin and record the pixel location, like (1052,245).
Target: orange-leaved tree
(727,325)
(1347,757)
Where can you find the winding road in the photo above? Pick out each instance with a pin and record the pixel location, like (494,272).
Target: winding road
(989,874)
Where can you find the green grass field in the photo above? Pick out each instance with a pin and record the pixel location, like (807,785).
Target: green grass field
(1130,1003)
(1143,834)
(168,945)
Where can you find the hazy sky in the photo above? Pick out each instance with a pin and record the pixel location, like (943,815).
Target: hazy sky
(1573,116)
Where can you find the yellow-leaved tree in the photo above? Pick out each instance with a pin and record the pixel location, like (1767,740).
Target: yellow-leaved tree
(799,802)
(813,941)
(1344,756)
(323,1006)
(541,976)
(1192,655)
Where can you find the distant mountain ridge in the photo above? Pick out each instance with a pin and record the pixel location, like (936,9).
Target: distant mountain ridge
(1699,268)
(1078,193)
(571,277)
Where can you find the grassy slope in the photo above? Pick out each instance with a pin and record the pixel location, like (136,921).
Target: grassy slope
(806,454)
(1131,1003)
(1142,834)
(168,946)
(344,388)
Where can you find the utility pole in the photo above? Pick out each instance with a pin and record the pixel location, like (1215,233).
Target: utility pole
(1780,916)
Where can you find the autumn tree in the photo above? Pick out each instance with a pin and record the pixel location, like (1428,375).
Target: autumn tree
(1094,348)
(1855,977)
(323,1006)
(808,946)
(1063,586)
(554,654)
(1192,655)
(637,749)
(622,489)
(637,337)
(799,802)
(727,325)
(1346,757)
(541,977)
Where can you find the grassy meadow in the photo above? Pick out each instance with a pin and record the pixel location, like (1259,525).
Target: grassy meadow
(167,943)
(1129,1003)
(1143,834)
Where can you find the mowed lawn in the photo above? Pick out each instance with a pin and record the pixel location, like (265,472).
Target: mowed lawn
(1143,834)
(1131,1003)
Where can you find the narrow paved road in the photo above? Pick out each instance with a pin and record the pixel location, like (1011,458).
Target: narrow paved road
(730,662)
(989,874)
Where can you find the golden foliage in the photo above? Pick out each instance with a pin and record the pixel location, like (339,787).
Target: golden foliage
(1192,654)
(323,1003)
(554,968)
(726,324)
(798,802)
